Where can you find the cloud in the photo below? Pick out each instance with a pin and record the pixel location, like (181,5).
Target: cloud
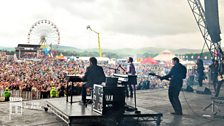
(121,23)
(151,18)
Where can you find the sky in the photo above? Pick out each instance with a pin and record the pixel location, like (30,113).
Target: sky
(121,23)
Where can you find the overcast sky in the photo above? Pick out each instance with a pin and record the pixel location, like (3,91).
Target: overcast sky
(121,23)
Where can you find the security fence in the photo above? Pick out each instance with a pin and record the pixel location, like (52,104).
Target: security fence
(26,95)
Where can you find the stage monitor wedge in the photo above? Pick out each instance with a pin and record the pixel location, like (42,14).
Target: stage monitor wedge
(203,90)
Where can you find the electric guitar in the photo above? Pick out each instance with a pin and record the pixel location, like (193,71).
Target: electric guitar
(153,74)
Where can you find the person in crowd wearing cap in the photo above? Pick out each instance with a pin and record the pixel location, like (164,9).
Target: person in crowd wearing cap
(7,94)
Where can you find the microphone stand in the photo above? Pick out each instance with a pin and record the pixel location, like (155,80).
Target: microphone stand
(119,66)
(135,108)
(115,69)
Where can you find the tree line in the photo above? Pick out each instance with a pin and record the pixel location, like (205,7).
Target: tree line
(191,56)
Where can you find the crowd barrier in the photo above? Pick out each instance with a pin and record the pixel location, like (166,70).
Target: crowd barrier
(26,95)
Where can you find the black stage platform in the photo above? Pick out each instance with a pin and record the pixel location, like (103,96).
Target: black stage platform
(78,114)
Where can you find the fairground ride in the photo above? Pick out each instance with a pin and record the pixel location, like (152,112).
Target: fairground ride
(45,33)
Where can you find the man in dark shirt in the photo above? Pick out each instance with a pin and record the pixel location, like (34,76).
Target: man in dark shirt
(221,81)
(200,71)
(176,76)
(61,90)
(214,70)
(94,75)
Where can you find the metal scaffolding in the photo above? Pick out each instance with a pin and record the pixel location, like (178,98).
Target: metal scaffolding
(199,15)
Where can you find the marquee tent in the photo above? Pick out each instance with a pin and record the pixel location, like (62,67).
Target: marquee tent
(165,56)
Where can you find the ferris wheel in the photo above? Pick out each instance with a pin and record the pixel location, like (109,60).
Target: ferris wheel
(44,32)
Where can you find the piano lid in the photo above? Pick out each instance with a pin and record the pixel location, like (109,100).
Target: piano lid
(74,78)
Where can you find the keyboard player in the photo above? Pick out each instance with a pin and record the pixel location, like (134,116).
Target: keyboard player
(94,75)
(130,71)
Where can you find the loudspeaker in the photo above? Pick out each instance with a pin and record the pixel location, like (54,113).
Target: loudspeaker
(187,88)
(203,90)
(212,19)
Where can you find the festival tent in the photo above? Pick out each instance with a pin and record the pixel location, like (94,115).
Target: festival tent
(84,58)
(165,56)
(102,59)
(149,60)
(61,57)
(72,58)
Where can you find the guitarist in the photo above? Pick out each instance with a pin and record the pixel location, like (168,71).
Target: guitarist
(176,76)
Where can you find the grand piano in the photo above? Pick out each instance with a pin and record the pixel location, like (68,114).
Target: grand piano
(72,78)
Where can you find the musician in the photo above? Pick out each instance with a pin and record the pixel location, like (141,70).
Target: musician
(200,71)
(220,80)
(94,75)
(130,71)
(214,70)
(176,81)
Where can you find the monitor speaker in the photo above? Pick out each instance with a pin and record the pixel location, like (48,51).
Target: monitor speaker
(203,90)
(187,88)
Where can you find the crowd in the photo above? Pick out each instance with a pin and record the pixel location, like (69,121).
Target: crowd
(43,75)
(37,75)
(28,55)
(145,81)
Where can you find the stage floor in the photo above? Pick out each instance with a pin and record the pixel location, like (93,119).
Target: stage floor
(156,100)
(76,113)
(75,109)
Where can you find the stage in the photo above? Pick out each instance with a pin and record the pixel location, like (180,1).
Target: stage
(77,113)
(156,100)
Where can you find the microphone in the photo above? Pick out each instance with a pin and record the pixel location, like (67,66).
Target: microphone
(152,74)
(119,66)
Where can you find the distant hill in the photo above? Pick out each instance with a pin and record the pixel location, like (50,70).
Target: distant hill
(7,48)
(121,52)
(187,51)
(124,52)
(65,48)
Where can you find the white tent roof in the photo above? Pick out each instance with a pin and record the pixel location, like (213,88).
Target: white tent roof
(165,55)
